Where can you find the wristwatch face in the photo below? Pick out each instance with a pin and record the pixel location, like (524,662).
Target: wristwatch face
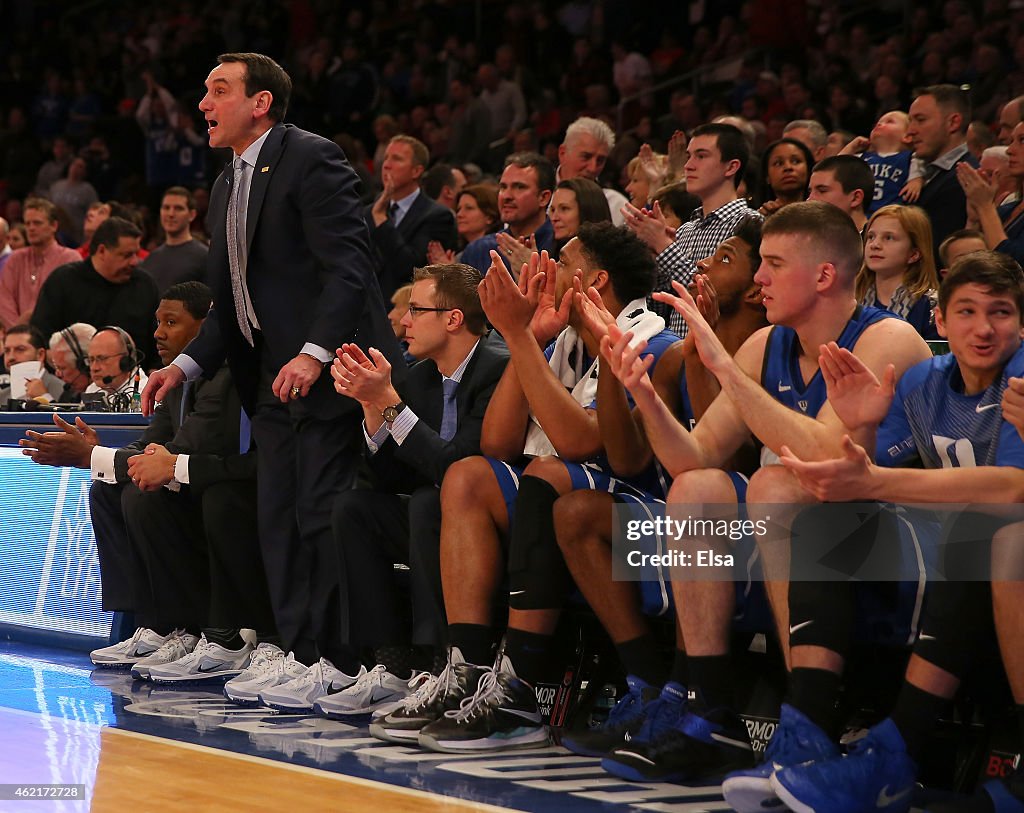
(390,413)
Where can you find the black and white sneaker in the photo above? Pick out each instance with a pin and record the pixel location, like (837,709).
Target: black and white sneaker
(501,714)
(623,723)
(701,746)
(436,695)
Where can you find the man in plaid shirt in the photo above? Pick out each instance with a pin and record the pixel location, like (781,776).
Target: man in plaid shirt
(718,158)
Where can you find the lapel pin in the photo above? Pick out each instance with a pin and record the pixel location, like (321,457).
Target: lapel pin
(264,169)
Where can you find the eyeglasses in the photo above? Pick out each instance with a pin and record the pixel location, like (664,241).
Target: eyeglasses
(415,310)
(101,359)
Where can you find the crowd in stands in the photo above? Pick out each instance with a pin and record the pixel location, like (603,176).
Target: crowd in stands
(611,288)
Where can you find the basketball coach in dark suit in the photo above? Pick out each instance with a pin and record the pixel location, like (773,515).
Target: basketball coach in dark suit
(414,432)
(292,280)
(404,220)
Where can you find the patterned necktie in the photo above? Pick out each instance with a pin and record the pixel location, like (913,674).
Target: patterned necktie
(393,213)
(235,252)
(450,413)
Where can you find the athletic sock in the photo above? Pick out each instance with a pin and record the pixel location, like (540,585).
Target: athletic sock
(476,642)
(530,654)
(711,677)
(814,692)
(397,659)
(914,715)
(680,668)
(639,656)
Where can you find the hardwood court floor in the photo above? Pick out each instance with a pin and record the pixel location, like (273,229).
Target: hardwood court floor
(140,748)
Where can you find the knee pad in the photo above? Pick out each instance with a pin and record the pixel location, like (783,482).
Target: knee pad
(538,577)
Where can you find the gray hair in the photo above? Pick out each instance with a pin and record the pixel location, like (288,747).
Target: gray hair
(999,152)
(741,124)
(597,129)
(817,133)
(82,332)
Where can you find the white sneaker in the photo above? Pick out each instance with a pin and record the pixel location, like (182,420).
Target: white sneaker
(130,651)
(208,661)
(177,646)
(374,689)
(300,693)
(267,668)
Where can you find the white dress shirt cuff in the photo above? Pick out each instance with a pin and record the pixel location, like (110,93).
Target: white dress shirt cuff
(181,469)
(403,425)
(316,351)
(188,366)
(101,464)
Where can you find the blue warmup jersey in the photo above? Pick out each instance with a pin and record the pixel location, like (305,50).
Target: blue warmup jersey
(932,420)
(652,480)
(686,416)
(780,370)
(891,174)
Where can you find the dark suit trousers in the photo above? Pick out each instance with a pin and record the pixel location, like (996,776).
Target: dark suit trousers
(238,580)
(373,532)
(122,569)
(166,530)
(202,551)
(303,465)
(181,560)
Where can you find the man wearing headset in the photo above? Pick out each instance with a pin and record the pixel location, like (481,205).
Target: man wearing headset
(69,349)
(113,366)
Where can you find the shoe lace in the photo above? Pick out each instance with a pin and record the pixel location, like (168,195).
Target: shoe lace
(200,649)
(176,643)
(129,643)
(624,711)
(137,635)
(313,675)
(263,658)
(374,677)
(429,689)
(489,692)
(661,714)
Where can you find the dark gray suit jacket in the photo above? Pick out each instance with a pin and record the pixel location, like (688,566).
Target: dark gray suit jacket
(399,249)
(424,457)
(209,434)
(309,272)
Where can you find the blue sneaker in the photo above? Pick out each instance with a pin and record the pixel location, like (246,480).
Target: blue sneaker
(660,716)
(699,747)
(624,721)
(877,774)
(1005,795)
(796,740)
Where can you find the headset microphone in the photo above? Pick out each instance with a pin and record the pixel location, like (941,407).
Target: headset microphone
(107,379)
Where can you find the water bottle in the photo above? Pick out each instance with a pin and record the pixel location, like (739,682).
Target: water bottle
(603,705)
